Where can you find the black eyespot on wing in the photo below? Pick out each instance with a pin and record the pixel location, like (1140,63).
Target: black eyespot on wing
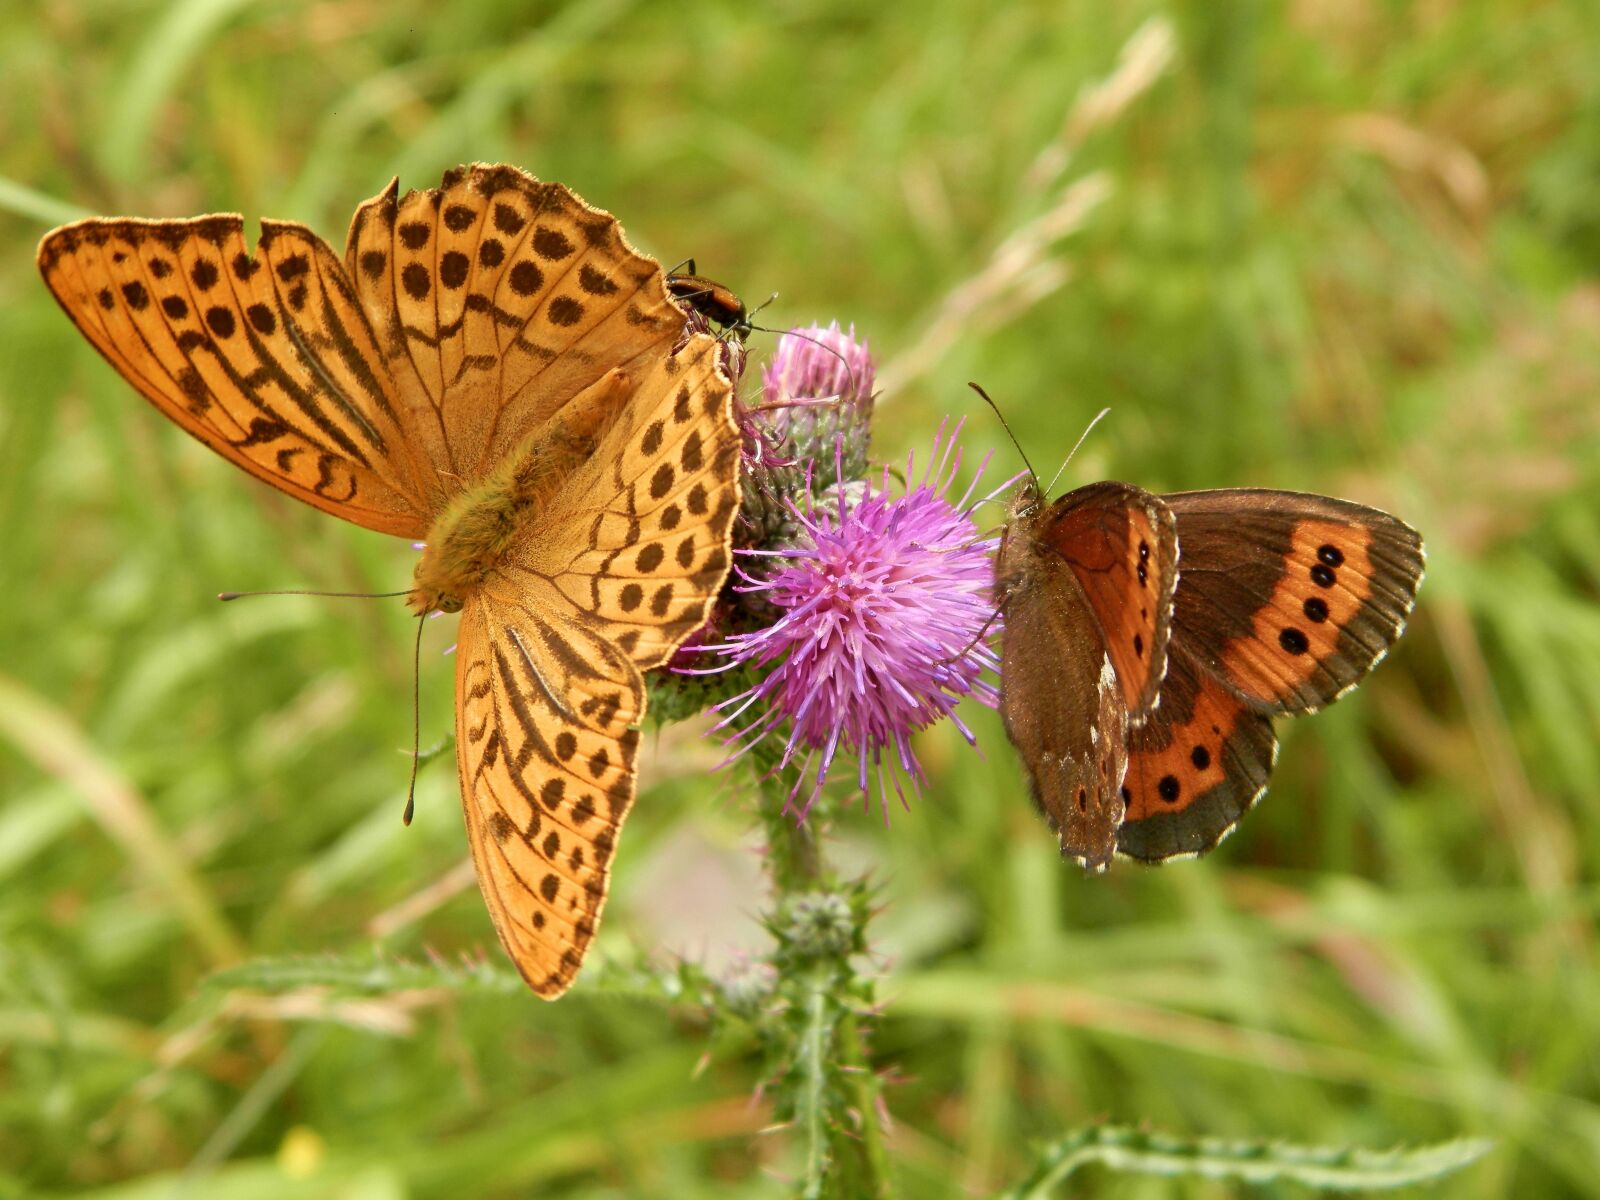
(453,269)
(416,281)
(526,278)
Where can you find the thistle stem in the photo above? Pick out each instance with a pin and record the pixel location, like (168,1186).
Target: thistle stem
(797,844)
(812,1098)
(821,1078)
(865,1087)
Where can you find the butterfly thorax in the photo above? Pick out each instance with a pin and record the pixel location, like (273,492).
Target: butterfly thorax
(1018,543)
(480,525)
(463,547)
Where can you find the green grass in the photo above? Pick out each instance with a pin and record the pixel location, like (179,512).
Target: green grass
(1348,247)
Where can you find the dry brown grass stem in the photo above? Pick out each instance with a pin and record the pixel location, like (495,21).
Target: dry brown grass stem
(1025,266)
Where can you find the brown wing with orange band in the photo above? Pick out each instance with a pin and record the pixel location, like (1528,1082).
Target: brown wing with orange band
(1194,768)
(1290,598)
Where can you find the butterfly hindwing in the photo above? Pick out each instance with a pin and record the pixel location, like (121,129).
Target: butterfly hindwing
(546,722)
(1195,767)
(655,506)
(1290,598)
(263,357)
(1122,546)
(601,586)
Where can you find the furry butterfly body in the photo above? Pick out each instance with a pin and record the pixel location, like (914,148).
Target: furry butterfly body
(1150,640)
(493,369)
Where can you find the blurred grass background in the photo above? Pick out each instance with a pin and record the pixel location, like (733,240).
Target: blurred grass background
(1340,245)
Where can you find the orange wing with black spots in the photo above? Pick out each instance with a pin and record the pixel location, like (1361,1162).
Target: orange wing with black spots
(547,710)
(497,297)
(461,318)
(1290,598)
(656,503)
(267,357)
(1194,768)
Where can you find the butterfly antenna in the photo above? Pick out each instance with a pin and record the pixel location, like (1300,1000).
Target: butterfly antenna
(1087,430)
(987,399)
(226,596)
(416,725)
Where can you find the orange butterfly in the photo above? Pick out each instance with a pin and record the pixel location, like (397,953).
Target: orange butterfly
(494,370)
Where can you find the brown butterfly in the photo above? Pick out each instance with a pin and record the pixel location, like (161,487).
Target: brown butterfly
(493,369)
(1149,640)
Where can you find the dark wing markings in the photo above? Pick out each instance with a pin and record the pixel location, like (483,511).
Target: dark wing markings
(538,676)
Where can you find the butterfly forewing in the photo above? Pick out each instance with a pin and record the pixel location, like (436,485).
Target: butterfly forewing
(265,358)
(1290,598)
(1121,544)
(1284,602)
(1059,693)
(497,298)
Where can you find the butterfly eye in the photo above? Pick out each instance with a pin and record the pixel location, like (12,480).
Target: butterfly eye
(449,604)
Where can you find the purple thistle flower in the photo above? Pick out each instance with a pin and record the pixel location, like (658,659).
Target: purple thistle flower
(815,416)
(818,363)
(816,399)
(880,603)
